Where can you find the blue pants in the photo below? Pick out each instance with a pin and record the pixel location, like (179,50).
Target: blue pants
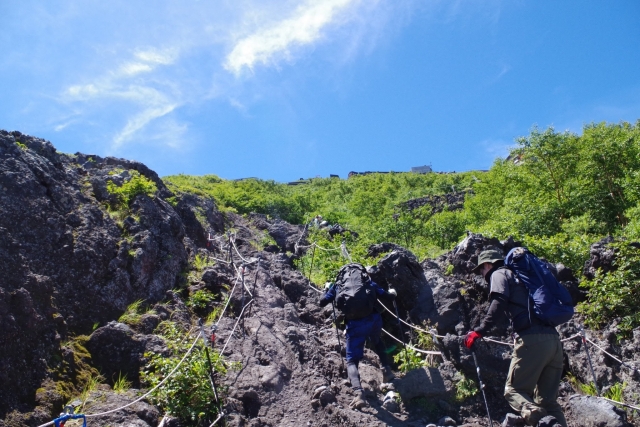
(357,333)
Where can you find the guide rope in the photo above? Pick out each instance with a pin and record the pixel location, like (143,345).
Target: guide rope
(147,393)
(439,353)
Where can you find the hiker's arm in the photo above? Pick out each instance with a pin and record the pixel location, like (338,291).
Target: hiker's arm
(495,314)
(381,293)
(329,296)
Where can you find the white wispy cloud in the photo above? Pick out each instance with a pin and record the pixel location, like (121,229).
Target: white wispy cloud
(153,101)
(152,77)
(139,121)
(274,42)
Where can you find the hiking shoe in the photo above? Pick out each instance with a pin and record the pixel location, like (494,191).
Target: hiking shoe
(549,421)
(387,374)
(359,401)
(532,413)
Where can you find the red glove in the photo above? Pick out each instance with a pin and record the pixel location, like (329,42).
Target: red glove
(471,338)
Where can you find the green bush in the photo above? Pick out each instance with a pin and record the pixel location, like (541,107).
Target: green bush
(615,294)
(408,359)
(187,394)
(465,387)
(137,184)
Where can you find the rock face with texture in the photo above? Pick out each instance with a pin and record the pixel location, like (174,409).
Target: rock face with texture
(421,382)
(590,411)
(66,263)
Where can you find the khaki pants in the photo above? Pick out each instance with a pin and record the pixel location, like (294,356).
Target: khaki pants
(534,378)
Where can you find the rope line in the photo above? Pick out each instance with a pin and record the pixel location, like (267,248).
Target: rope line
(498,342)
(247,262)
(326,249)
(234,326)
(345,253)
(612,356)
(619,403)
(297,245)
(228,301)
(409,324)
(570,338)
(147,393)
(412,347)
(241,275)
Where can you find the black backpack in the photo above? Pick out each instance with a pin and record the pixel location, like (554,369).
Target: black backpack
(355,297)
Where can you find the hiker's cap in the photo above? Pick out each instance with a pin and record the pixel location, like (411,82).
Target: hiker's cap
(489,255)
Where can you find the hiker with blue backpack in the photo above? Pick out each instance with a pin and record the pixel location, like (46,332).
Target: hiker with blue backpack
(355,295)
(523,287)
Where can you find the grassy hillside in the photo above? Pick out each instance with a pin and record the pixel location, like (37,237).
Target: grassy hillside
(558,192)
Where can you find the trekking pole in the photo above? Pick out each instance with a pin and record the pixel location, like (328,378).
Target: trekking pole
(206,349)
(586,349)
(335,321)
(406,356)
(486,404)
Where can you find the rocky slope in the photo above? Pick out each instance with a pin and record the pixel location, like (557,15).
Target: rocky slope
(71,268)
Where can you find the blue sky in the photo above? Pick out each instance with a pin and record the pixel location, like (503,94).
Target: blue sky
(286,89)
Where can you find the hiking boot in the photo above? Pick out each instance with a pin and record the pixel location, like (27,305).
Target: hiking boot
(549,421)
(359,401)
(532,413)
(387,374)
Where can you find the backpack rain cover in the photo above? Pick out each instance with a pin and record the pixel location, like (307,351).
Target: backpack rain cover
(552,303)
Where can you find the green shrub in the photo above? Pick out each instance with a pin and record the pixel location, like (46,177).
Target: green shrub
(187,394)
(408,359)
(137,184)
(615,294)
(200,300)
(132,314)
(121,384)
(465,387)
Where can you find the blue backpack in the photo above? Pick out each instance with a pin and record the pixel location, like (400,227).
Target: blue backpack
(552,303)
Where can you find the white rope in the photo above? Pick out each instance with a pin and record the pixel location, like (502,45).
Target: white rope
(315,289)
(242,276)
(411,347)
(345,253)
(619,403)
(612,356)
(234,327)
(228,301)
(326,249)
(297,245)
(156,387)
(219,260)
(144,395)
(246,261)
(409,324)
(570,338)
(498,342)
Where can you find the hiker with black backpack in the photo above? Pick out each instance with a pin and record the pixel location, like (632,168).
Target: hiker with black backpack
(525,289)
(355,295)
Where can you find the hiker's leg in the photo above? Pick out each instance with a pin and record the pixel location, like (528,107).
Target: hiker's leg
(376,341)
(355,351)
(546,393)
(354,375)
(529,359)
